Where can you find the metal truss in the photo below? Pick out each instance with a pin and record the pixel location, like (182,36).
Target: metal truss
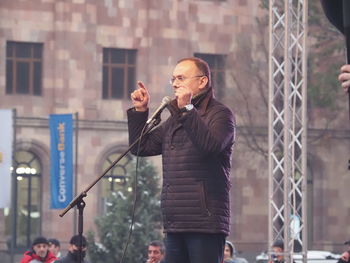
(287,126)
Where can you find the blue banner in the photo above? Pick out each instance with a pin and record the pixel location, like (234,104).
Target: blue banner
(61,132)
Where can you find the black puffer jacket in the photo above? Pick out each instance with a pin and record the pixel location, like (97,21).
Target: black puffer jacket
(196,150)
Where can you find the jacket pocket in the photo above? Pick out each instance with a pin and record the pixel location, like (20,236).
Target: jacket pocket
(203,199)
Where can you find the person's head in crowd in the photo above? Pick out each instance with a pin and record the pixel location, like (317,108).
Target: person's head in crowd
(40,246)
(156,251)
(277,249)
(74,246)
(54,246)
(230,250)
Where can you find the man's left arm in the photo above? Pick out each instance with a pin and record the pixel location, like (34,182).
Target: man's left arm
(214,135)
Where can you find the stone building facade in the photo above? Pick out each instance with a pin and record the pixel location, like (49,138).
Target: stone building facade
(91,54)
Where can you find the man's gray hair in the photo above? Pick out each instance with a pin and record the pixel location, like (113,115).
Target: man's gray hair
(158,243)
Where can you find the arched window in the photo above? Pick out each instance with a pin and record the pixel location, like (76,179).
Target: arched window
(117,177)
(27,203)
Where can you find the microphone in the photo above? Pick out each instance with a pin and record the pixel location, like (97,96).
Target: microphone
(165,101)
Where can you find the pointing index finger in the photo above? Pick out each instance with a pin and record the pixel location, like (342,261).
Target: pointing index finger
(141,85)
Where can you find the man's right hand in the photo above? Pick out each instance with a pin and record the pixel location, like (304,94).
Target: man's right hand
(151,260)
(140,97)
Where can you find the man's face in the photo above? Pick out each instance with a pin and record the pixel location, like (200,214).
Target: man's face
(227,253)
(54,249)
(154,254)
(41,250)
(186,74)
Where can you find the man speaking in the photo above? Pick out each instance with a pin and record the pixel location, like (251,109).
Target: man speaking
(196,144)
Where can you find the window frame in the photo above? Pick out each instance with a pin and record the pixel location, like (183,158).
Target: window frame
(26,224)
(109,72)
(32,65)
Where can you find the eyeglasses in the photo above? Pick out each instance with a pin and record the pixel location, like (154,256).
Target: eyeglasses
(182,78)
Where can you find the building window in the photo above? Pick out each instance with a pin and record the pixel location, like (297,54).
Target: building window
(217,66)
(119,69)
(24,68)
(27,203)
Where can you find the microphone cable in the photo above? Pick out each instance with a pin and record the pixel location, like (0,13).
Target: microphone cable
(135,193)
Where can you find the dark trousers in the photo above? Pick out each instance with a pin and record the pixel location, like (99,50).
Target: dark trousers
(194,248)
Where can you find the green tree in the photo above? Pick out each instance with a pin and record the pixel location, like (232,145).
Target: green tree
(113,227)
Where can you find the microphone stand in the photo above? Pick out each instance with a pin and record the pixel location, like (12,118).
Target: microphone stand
(79,202)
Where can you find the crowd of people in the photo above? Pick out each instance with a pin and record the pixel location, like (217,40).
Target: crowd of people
(156,253)
(49,250)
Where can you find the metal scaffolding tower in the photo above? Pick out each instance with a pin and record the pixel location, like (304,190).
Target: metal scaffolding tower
(287,126)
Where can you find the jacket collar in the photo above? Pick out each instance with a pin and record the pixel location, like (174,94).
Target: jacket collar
(199,101)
